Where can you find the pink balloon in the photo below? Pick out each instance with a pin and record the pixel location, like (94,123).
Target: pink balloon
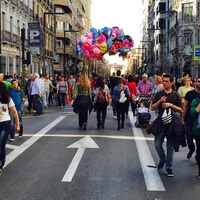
(87,54)
(102,38)
(96,50)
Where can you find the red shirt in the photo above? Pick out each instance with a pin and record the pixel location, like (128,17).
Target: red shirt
(132,87)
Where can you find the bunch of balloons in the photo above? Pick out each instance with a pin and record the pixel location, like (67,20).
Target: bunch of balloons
(95,43)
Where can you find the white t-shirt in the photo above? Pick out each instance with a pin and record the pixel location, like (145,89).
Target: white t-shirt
(4,111)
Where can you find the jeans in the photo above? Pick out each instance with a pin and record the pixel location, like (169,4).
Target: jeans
(12,131)
(45,98)
(189,136)
(101,109)
(62,99)
(4,133)
(114,107)
(121,110)
(82,118)
(197,139)
(158,143)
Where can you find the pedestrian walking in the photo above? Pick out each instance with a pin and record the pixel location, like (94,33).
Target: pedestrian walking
(187,119)
(101,99)
(6,105)
(18,97)
(132,89)
(62,91)
(121,98)
(37,94)
(195,113)
(82,100)
(167,101)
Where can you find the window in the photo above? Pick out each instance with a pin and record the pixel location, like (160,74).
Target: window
(187,34)
(187,9)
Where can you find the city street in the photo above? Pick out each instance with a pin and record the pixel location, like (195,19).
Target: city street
(55,160)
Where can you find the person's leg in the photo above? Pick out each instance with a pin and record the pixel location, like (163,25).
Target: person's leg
(123,113)
(170,153)
(4,133)
(114,107)
(59,100)
(98,115)
(80,119)
(12,128)
(158,143)
(189,138)
(118,110)
(197,139)
(104,113)
(133,107)
(63,99)
(21,123)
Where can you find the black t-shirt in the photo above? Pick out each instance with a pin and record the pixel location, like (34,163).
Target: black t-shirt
(172,97)
(190,95)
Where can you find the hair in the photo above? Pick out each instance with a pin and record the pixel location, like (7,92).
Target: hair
(159,79)
(100,82)
(4,93)
(130,78)
(118,73)
(168,76)
(84,81)
(120,81)
(13,81)
(183,81)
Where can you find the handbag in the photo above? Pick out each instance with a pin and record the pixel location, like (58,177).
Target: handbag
(166,116)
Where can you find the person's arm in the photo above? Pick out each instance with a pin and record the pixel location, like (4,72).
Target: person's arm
(195,108)
(185,108)
(16,117)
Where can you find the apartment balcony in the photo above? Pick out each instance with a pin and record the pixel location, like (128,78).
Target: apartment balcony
(10,38)
(68,50)
(64,18)
(65,3)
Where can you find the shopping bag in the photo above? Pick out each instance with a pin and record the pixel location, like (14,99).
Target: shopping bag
(67,100)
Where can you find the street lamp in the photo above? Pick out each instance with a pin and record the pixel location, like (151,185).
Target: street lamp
(64,52)
(44,36)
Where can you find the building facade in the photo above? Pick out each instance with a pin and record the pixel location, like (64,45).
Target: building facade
(55,21)
(169,34)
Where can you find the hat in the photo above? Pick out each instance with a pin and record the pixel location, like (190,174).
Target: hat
(144,75)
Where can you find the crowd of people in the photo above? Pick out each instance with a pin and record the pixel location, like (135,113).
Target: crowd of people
(175,104)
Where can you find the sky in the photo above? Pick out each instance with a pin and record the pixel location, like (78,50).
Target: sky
(123,14)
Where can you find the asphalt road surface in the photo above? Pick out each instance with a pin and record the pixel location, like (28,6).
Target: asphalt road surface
(55,160)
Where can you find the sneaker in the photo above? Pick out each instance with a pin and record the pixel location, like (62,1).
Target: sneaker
(84,126)
(161,164)
(115,117)
(12,139)
(20,136)
(169,172)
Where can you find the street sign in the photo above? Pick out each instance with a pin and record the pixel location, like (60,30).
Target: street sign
(34,35)
(196,52)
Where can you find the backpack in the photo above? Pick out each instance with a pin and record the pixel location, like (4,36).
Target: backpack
(101,96)
(123,96)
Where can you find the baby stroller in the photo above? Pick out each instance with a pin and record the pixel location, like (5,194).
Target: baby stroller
(143,116)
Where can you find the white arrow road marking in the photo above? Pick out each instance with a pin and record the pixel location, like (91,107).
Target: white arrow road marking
(15,153)
(151,176)
(82,144)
